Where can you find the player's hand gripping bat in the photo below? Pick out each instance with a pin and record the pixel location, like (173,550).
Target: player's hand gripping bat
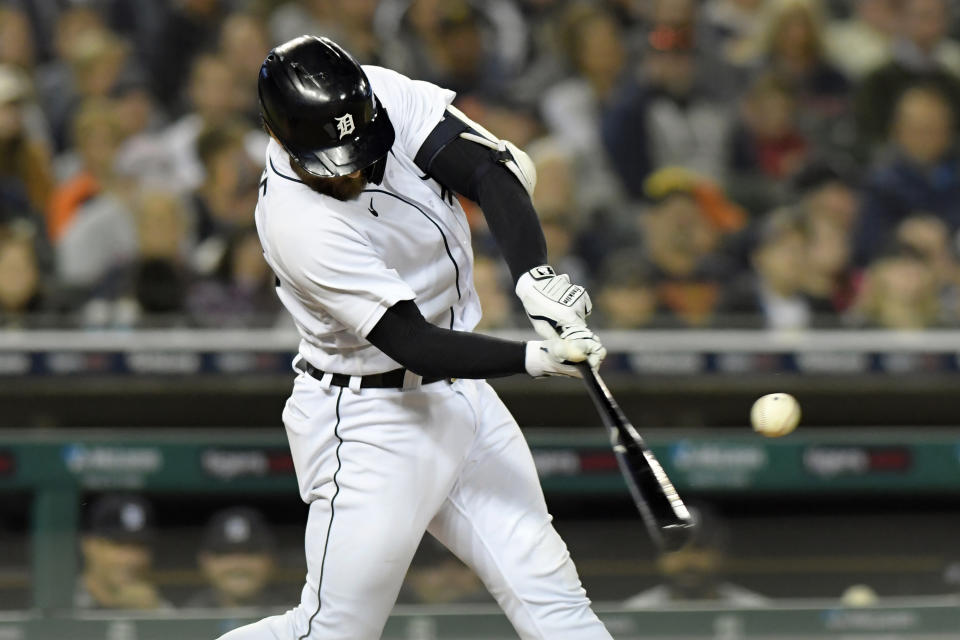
(664,513)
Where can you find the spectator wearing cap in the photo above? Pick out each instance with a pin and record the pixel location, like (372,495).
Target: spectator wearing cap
(626,298)
(237,560)
(696,572)
(117,556)
(682,232)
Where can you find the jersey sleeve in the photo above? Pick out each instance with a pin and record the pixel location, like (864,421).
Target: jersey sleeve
(414,106)
(338,272)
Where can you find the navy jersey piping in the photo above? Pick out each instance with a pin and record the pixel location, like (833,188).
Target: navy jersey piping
(282,175)
(326,544)
(446,245)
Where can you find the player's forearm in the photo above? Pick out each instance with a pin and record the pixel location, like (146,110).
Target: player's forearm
(430,351)
(512,220)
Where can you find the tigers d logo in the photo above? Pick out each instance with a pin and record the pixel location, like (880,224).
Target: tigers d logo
(345,125)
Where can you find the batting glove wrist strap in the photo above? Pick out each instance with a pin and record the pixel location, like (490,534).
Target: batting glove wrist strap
(551,302)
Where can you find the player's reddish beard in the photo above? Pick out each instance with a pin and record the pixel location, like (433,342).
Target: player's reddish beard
(344,188)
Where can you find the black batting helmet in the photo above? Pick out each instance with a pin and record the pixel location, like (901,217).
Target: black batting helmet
(317,101)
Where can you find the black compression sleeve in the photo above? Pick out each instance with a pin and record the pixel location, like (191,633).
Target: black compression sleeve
(430,351)
(473,170)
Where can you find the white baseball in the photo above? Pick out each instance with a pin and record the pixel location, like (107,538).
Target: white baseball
(775,414)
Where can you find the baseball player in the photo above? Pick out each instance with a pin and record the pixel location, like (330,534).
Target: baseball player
(392,429)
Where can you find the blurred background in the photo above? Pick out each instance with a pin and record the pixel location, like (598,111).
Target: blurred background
(761,195)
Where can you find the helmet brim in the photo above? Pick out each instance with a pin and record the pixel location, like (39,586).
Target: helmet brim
(353,153)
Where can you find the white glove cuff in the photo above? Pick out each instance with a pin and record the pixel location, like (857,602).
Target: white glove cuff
(534,359)
(525,282)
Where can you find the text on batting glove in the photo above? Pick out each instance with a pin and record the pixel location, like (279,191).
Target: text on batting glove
(551,302)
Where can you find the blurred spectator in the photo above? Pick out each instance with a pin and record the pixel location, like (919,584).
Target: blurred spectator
(930,237)
(774,292)
(830,205)
(625,298)
(243,46)
(413,39)
(492,283)
(862,43)
(695,572)
(26,175)
(731,27)
(143,154)
(828,277)
(188,29)
(241,289)
(670,120)
(899,292)
(922,174)
(543,66)
(436,576)
(16,39)
(88,219)
(117,556)
(555,199)
(349,23)
(21,291)
(767,146)
(97,58)
(56,79)
(153,277)
(828,192)
(681,234)
(237,560)
(951,578)
(216,99)
(594,50)
(225,200)
(922,54)
(793,49)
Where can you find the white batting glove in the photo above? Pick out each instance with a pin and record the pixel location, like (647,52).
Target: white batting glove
(551,302)
(557,356)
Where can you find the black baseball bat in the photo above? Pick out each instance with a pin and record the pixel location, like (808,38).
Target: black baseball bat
(666,517)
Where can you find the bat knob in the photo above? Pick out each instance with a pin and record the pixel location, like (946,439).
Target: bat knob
(674,537)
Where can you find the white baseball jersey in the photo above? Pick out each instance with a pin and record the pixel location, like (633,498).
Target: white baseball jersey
(341,265)
(380,466)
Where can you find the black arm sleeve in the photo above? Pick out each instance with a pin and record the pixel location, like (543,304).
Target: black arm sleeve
(474,171)
(430,351)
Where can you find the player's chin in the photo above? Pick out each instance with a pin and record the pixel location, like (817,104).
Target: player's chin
(343,188)
(347,189)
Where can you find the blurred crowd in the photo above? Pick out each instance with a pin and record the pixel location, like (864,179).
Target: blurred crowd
(237,563)
(769,163)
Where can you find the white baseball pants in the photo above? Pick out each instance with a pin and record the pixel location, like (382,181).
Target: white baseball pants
(378,467)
